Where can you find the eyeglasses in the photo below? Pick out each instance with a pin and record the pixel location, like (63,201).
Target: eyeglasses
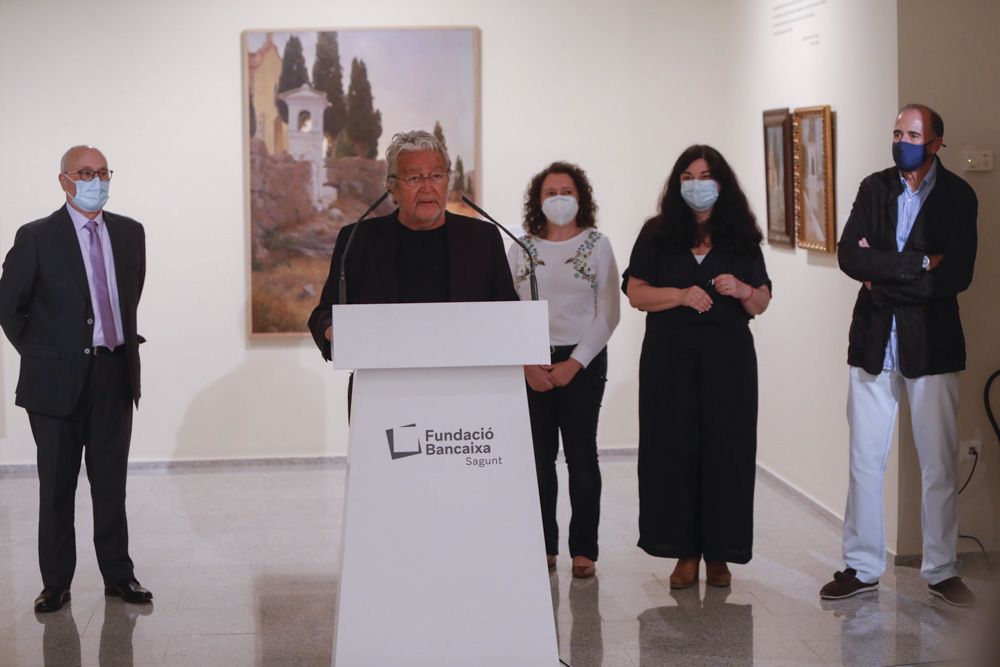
(88,174)
(415,181)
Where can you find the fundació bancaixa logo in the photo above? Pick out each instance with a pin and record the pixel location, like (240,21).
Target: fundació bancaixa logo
(403,441)
(476,445)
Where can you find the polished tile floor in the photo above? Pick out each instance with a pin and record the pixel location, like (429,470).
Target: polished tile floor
(242,563)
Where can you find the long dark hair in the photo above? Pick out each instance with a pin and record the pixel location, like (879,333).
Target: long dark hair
(534,219)
(732,225)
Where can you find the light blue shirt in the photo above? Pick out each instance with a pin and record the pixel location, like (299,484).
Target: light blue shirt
(82,235)
(908,206)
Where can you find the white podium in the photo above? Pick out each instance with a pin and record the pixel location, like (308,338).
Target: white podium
(442,557)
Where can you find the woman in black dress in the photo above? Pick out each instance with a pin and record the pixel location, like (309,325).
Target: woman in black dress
(698,272)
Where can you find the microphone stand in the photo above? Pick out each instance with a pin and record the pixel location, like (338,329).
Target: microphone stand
(531,260)
(347,246)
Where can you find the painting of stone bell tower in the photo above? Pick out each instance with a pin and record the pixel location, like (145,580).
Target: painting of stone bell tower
(320,106)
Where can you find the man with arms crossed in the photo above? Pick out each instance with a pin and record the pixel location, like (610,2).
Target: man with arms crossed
(911,241)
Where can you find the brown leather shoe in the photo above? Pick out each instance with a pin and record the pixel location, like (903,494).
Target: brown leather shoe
(583,567)
(717,574)
(685,573)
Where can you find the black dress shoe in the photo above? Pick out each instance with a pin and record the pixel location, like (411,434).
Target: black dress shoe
(51,599)
(129,590)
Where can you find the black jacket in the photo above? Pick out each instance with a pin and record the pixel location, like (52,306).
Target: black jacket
(45,307)
(925,303)
(477,267)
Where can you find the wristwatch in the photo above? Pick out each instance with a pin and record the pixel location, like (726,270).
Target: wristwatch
(926,264)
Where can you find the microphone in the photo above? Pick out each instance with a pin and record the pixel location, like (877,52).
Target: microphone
(531,260)
(347,246)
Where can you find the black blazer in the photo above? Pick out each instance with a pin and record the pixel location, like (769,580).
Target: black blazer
(925,303)
(477,267)
(45,307)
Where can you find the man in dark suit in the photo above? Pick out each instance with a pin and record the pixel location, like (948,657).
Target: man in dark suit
(420,252)
(911,241)
(68,296)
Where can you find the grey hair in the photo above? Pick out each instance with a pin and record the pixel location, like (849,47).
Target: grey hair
(416,140)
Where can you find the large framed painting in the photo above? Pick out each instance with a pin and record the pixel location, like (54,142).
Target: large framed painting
(320,107)
(814,193)
(778,175)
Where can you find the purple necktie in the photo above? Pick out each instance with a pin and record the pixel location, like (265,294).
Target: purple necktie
(101,287)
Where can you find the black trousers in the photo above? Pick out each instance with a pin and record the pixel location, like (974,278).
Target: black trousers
(697,442)
(573,411)
(99,430)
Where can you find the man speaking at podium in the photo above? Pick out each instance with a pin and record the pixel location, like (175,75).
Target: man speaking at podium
(419,253)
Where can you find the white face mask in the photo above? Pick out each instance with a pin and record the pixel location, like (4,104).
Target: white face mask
(700,195)
(91,195)
(561,209)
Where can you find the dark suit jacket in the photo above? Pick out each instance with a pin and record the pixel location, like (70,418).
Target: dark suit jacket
(45,307)
(925,303)
(477,267)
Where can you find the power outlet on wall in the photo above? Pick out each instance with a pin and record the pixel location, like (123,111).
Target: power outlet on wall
(967,447)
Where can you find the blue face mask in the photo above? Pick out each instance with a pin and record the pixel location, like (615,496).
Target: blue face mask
(700,195)
(909,157)
(91,195)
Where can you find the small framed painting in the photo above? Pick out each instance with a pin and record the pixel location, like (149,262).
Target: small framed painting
(778,177)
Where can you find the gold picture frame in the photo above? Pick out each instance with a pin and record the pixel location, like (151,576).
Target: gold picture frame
(815,221)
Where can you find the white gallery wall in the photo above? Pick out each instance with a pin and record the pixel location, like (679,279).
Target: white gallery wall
(843,55)
(620,88)
(590,82)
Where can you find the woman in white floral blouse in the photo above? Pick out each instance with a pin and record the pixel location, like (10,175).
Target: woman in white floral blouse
(577,275)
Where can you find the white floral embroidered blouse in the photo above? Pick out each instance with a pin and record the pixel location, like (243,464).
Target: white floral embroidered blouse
(579,279)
